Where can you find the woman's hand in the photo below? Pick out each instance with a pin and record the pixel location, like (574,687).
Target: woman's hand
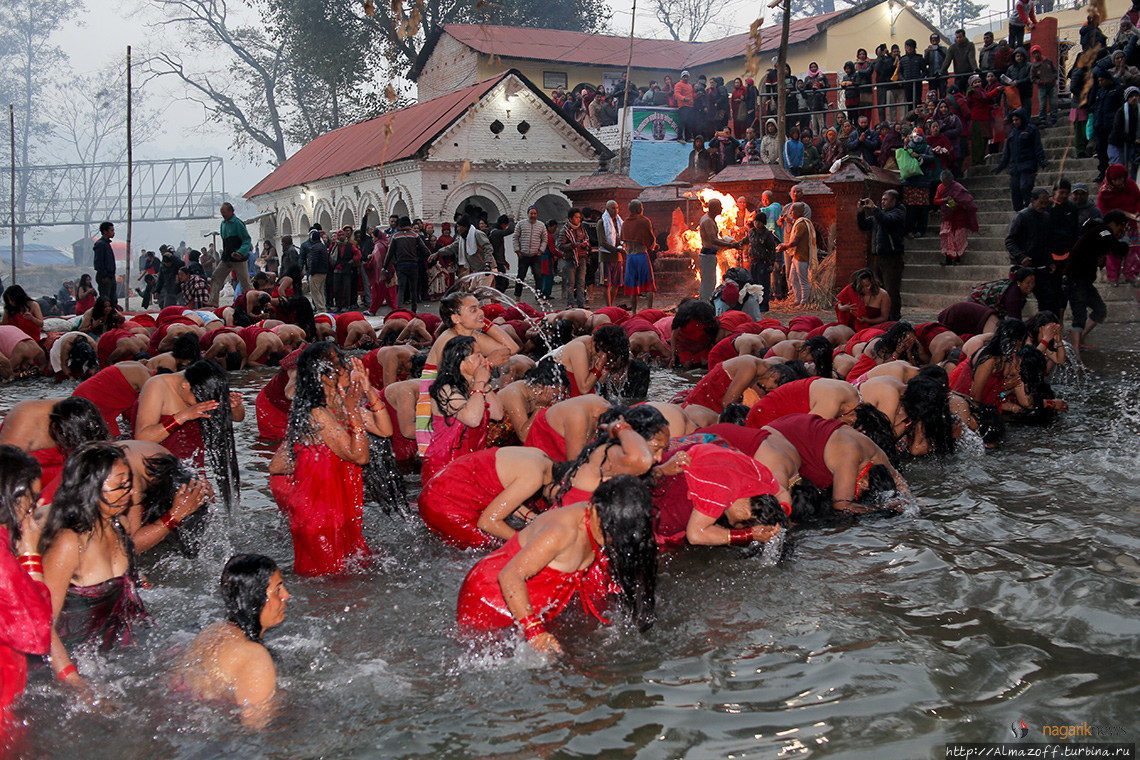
(546,644)
(31,528)
(765,533)
(235,401)
(199,411)
(482,374)
(676,465)
(190,497)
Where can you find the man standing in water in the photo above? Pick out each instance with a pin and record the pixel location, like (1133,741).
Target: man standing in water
(711,244)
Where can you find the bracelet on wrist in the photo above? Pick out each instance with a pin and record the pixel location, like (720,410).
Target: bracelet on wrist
(532,626)
(63,674)
(487,325)
(595,372)
(170,522)
(741,537)
(171,425)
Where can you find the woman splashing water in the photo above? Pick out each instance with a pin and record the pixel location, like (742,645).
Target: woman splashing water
(228,661)
(593,549)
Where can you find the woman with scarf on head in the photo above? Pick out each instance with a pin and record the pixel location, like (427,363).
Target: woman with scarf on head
(959,217)
(916,189)
(831,150)
(889,141)
(738,107)
(1124,140)
(816,83)
(981,99)
(1119,192)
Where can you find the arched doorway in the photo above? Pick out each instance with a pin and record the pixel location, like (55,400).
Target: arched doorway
(326,221)
(286,226)
(346,219)
(479,206)
(552,207)
(400,208)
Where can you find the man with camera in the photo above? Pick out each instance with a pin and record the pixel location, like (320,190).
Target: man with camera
(887,225)
(235,254)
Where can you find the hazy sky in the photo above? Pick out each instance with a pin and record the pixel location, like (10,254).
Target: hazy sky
(108,26)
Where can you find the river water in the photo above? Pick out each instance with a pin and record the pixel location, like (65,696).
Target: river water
(1013,594)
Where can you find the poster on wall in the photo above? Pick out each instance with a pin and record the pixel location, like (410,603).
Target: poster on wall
(655,124)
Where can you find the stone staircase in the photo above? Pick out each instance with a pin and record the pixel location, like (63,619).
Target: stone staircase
(929,286)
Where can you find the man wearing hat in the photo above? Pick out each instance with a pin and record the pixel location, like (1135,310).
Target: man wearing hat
(1086,209)
(683,94)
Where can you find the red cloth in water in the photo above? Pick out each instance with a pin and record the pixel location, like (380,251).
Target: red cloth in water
(273,407)
(862,366)
(927,332)
(789,398)
(404,449)
(452,502)
(481,603)
(616,314)
(542,437)
(733,320)
(325,506)
(744,439)
(342,323)
(51,463)
(710,391)
(186,441)
(102,613)
(108,342)
(723,351)
(25,622)
(809,433)
(693,343)
(108,390)
(249,336)
(804,323)
(862,336)
(451,439)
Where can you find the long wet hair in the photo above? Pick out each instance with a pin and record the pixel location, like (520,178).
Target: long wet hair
(318,361)
(1034,367)
(637,377)
(208,382)
(82,360)
(625,510)
(383,481)
(75,506)
(165,474)
(875,425)
(822,353)
(18,471)
(615,342)
(245,587)
(16,301)
(645,420)
(733,414)
(449,380)
(302,312)
(187,348)
(889,341)
(694,310)
(548,372)
(1009,336)
(1037,321)
(925,403)
(75,421)
(786,372)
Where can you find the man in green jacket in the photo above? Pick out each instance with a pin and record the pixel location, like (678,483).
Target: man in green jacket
(235,254)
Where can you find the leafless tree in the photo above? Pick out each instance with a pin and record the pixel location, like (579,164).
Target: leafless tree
(686,20)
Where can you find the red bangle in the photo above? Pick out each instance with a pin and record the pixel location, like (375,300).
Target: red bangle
(787,508)
(63,674)
(169,522)
(171,425)
(595,372)
(742,537)
(532,626)
(487,325)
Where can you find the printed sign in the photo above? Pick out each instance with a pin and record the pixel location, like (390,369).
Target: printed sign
(655,124)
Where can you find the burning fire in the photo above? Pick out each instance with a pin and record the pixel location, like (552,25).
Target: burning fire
(732,223)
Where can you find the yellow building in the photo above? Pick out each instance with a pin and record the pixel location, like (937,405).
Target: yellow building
(463,54)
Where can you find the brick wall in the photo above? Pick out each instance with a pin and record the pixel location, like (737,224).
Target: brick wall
(452,65)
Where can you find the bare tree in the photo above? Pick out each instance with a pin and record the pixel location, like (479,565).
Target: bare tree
(685,20)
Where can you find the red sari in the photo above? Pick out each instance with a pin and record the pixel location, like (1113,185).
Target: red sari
(25,622)
(452,502)
(450,440)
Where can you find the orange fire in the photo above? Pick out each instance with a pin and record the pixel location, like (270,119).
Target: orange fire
(732,223)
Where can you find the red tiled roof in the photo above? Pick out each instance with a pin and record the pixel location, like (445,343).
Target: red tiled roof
(365,144)
(597,49)
(604,182)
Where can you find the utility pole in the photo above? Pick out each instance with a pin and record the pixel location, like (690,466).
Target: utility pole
(625,109)
(781,80)
(130,184)
(12,131)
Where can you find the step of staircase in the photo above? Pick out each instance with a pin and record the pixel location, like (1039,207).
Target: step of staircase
(929,286)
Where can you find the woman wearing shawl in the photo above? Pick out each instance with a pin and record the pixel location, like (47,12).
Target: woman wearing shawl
(959,217)
(945,154)
(738,101)
(916,189)
(981,99)
(889,142)
(832,149)
(1119,192)
(817,84)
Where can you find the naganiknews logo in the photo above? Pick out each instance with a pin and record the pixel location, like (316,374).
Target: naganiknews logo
(1019,729)
(1084,730)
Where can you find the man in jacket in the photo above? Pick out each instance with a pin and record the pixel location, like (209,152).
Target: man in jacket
(987,53)
(610,251)
(1043,73)
(935,56)
(1028,244)
(105,263)
(864,141)
(1124,140)
(884,66)
(1106,100)
(530,242)
(912,68)
(1098,239)
(887,226)
(471,249)
(168,288)
(1023,155)
(574,243)
(315,259)
(290,258)
(236,246)
(960,55)
(405,248)
(504,228)
(344,259)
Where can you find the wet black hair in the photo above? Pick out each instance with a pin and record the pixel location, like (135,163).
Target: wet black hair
(245,589)
(186,348)
(15,300)
(925,402)
(451,303)
(936,373)
(449,380)
(788,371)
(302,312)
(74,421)
(821,355)
(241,318)
(646,421)
(383,481)
(165,474)
(1039,320)
(233,361)
(316,361)
(82,359)
(875,425)
(991,425)
(766,510)
(1034,367)
(548,372)
(615,342)
(208,383)
(812,505)
(692,309)
(880,483)
(416,364)
(18,471)
(75,506)
(1009,336)
(889,341)
(273,358)
(624,505)
(636,380)
(734,414)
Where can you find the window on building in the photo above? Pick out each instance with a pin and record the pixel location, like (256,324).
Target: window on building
(552,79)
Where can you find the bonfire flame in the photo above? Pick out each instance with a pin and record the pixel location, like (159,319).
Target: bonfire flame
(732,223)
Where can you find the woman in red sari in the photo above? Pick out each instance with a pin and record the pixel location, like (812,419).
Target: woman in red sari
(862,303)
(334,408)
(22,312)
(959,217)
(1119,192)
(604,547)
